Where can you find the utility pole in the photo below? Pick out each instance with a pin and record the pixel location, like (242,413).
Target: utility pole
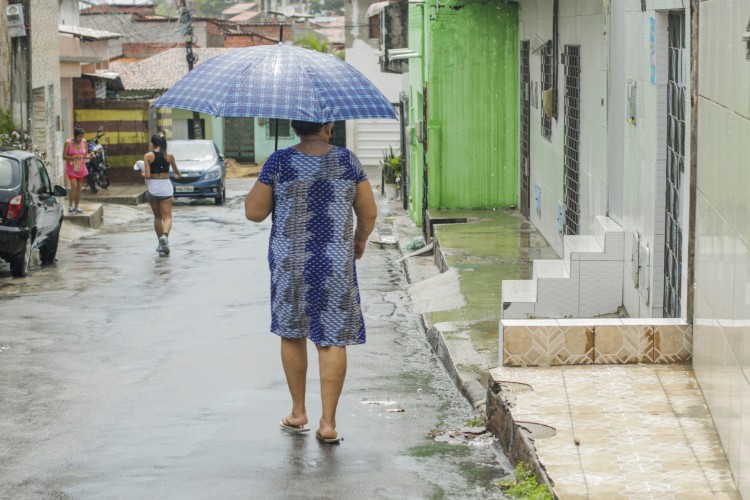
(186,20)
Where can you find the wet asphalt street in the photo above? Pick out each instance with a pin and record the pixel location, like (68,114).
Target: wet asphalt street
(128,375)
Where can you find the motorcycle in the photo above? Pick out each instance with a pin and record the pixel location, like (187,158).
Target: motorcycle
(97,164)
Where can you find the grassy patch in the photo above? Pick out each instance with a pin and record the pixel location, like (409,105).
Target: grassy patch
(525,485)
(475,422)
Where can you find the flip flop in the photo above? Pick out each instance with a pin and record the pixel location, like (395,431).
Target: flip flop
(326,440)
(296,429)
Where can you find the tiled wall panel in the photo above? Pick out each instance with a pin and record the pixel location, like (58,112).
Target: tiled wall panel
(722,231)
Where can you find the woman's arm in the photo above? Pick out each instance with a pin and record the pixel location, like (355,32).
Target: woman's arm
(367,213)
(259,202)
(170,158)
(147,165)
(66,148)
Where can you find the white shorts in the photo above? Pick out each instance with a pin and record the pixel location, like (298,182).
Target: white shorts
(160,189)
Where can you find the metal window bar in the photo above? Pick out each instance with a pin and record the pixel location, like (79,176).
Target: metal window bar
(546,84)
(676,89)
(571,190)
(525,119)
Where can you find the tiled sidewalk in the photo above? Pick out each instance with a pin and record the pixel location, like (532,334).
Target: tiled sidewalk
(620,431)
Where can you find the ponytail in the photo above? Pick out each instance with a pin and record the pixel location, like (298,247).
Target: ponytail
(159,141)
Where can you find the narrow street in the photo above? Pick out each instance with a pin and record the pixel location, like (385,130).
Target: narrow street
(128,375)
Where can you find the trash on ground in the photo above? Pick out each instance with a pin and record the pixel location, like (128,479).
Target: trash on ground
(415,244)
(383,403)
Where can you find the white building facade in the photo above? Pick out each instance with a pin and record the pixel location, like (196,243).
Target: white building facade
(605,128)
(653,97)
(369,139)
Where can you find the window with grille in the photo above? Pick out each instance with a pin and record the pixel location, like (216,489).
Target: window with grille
(375,27)
(285,128)
(676,105)
(572,137)
(546,85)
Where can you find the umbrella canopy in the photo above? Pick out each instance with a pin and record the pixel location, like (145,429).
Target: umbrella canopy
(278,81)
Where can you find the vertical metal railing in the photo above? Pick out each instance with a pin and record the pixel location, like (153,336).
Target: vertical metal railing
(676,105)
(547,87)
(571,189)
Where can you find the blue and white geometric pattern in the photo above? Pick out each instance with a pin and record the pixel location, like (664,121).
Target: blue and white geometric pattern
(314,290)
(278,81)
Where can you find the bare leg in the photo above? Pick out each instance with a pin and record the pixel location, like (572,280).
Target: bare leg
(75,192)
(158,225)
(165,208)
(294,359)
(332,374)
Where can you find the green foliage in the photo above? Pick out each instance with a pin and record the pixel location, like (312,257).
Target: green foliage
(314,43)
(335,7)
(6,121)
(200,8)
(209,8)
(525,485)
(166,8)
(475,422)
(391,164)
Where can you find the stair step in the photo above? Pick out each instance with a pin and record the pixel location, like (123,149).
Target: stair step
(550,269)
(518,290)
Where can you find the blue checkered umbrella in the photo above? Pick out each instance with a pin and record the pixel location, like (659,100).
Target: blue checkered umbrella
(278,81)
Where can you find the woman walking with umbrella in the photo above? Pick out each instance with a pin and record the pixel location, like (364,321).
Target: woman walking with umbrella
(311,189)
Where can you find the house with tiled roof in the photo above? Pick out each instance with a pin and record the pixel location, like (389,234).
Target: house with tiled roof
(245,139)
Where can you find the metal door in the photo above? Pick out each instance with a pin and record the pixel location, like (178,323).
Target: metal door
(239,138)
(571,188)
(525,133)
(616,109)
(676,106)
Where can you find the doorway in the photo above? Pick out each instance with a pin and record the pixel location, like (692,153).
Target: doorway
(525,133)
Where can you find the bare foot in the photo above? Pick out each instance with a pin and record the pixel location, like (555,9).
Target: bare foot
(293,421)
(326,430)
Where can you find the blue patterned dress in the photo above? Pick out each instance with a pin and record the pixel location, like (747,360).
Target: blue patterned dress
(314,291)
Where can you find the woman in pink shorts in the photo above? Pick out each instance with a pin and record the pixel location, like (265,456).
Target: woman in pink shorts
(75,152)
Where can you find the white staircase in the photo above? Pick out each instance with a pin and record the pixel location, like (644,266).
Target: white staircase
(586,283)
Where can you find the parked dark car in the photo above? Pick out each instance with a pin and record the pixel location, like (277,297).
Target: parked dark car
(30,213)
(202,168)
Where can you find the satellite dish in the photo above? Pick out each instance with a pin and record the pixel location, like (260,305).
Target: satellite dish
(289,11)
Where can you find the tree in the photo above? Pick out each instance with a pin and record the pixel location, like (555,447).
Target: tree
(314,43)
(334,6)
(200,8)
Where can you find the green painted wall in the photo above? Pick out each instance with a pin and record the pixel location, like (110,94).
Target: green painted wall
(472,98)
(416,83)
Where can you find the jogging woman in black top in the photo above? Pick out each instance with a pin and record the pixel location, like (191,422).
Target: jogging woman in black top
(160,191)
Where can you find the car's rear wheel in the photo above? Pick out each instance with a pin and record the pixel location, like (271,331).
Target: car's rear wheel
(219,200)
(48,251)
(19,263)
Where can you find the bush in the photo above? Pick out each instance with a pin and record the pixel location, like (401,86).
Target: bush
(525,485)
(391,164)
(6,121)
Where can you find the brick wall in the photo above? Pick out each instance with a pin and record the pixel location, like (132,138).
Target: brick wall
(246,40)
(144,50)
(125,123)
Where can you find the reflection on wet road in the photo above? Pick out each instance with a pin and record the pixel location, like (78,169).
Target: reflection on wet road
(128,375)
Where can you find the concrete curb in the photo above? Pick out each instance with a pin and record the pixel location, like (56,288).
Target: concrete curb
(472,390)
(92,216)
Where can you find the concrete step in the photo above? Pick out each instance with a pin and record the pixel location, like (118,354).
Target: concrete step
(92,216)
